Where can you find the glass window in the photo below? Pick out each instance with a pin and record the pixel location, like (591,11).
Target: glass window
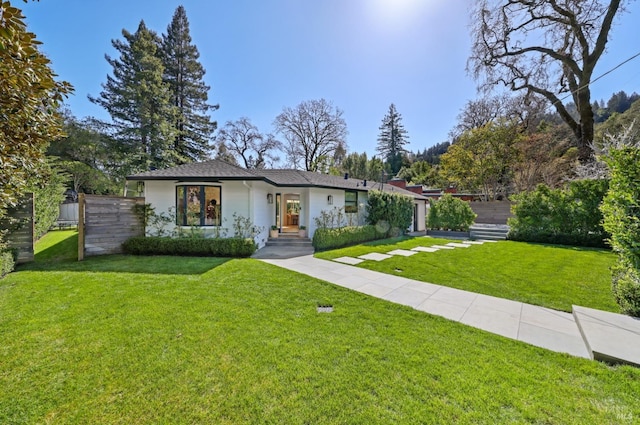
(198,205)
(351,201)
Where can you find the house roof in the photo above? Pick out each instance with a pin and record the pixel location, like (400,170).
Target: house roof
(212,169)
(216,170)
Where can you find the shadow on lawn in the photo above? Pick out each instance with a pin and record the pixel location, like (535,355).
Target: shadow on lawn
(131,264)
(63,256)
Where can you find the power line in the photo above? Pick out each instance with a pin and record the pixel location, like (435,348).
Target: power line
(600,76)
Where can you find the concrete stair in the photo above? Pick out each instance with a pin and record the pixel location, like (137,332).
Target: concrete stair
(285,246)
(494,232)
(289,240)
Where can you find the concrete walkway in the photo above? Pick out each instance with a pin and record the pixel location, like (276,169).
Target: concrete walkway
(539,326)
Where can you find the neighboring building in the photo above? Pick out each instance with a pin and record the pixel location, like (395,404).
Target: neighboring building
(207,194)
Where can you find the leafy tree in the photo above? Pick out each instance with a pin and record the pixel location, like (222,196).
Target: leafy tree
(392,139)
(432,155)
(139,102)
(542,157)
(619,123)
(420,172)
(250,147)
(29,100)
(87,156)
(189,94)
(313,131)
(481,159)
(546,48)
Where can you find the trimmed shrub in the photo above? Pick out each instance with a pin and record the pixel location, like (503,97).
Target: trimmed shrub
(197,247)
(621,210)
(449,213)
(325,238)
(390,212)
(569,216)
(7,263)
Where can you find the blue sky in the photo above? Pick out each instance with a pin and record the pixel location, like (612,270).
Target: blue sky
(263,55)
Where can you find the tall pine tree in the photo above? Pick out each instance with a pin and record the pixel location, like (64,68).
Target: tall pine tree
(139,103)
(392,139)
(184,75)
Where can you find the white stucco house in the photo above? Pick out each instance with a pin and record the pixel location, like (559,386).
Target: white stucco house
(207,194)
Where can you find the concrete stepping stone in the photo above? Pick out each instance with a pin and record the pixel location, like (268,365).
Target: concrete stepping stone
(424,249)
(348,260)
(473,242)
(402,252)
(375,256)
(458,245)
(610,337)
(442,247)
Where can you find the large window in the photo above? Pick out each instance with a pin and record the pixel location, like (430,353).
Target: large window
(198,205)
(351,201)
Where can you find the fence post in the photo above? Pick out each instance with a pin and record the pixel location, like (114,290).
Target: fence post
(81,227)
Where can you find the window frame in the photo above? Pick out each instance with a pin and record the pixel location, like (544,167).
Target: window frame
(351,207)
(182,213)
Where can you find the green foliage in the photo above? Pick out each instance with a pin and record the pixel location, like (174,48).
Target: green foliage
(621,210)
(184,75)
(336,218)
(29,100)
(139,103)
(480,159)
(86,153)
(569,216)
(390,212)
(7,263)
(189,246)
(329,238)
(420,172)
(243,228)
(392,139)
(449,213)
(48,194)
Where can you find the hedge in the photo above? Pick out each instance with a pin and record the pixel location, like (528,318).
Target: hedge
(449,213)
(7,262)
(198,247)
(324,238)
(569,216)
(392,211)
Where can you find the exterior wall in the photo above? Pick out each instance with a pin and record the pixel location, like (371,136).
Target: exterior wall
(493,212)
(263,212)
(318,202)
(248,200)
(422,215)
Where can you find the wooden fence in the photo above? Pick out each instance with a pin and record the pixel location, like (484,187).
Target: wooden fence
(104,222)
(494,212)
(21,233)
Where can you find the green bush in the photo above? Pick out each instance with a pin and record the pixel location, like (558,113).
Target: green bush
(625,286)
(325,238)
(621,210)
(48,194)
(391,213)
(199,247)
(449,213)
(569,216)
(7,262)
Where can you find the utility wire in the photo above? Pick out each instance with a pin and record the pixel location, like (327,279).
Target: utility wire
(600,76)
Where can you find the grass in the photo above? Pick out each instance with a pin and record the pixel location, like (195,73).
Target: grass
(240,341)
(552,276)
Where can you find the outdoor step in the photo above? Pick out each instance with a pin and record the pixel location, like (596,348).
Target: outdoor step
(476,234)
(289,241)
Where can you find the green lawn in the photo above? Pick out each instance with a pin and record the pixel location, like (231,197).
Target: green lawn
(202,340)
(552,276)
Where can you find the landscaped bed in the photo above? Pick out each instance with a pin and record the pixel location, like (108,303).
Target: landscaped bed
(552,276)
(204,340)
